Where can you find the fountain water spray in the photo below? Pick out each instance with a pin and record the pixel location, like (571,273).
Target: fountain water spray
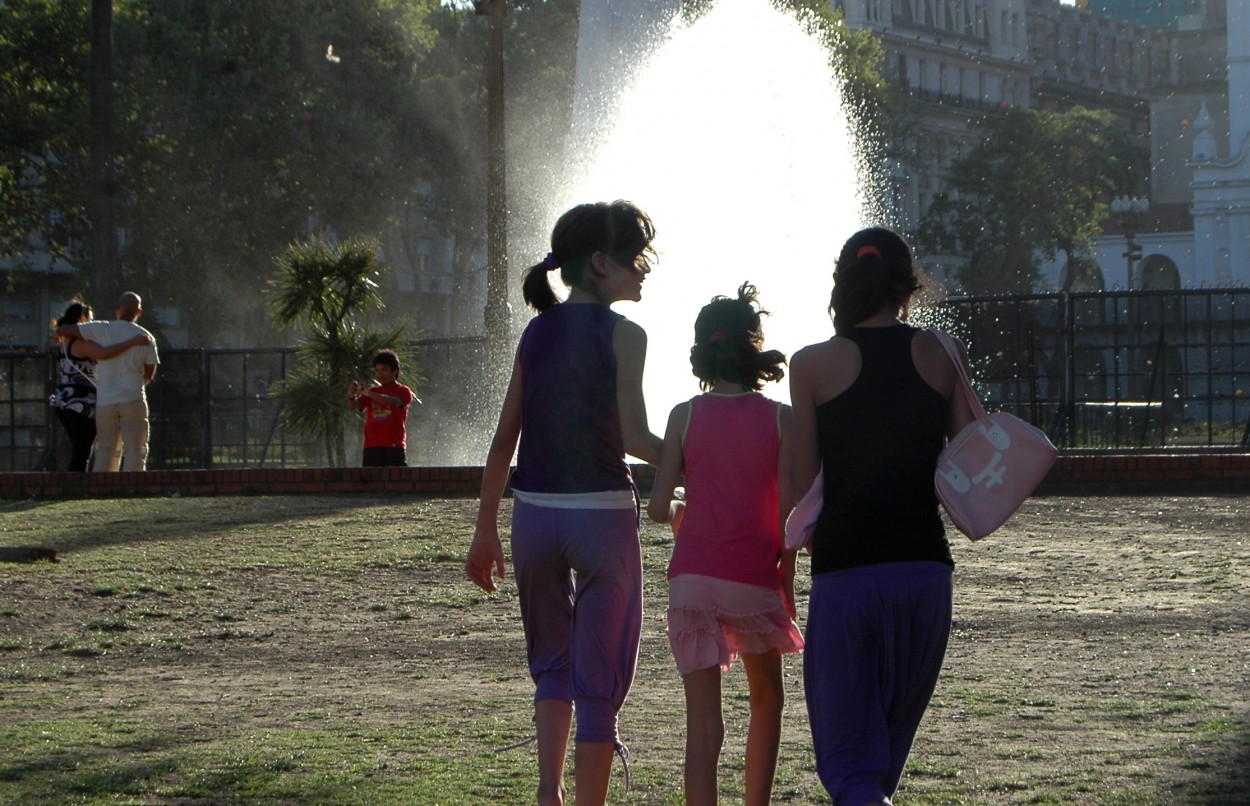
(730,132)
(732,135)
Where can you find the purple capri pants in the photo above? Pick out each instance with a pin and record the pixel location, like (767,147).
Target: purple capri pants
(579,576)
(876,637)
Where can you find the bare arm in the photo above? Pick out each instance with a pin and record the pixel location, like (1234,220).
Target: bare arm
(149,372)
(786,503)
(662,508)
(629,343)
(960,412)
(354,389)
(803,448)
(391,401)
(83,347)
(486,551)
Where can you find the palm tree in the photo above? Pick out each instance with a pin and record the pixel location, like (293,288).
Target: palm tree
(330,290)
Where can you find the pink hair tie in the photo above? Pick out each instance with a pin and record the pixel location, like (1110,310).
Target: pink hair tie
(716,337)
(867,250)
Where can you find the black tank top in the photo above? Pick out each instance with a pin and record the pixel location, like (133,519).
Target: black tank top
(879,444)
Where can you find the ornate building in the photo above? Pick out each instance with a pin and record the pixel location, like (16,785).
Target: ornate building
(1166,70)
(1196,232)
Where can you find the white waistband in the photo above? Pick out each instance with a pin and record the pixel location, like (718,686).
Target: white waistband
(605,499)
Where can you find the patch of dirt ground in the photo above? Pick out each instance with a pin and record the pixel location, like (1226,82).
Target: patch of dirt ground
(1100,654)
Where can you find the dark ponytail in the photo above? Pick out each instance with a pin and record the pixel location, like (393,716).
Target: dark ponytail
(729,341)
(536,288)
(874,271)
(74,313)
(619,227)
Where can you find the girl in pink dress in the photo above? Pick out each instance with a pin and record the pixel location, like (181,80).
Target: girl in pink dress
(731,579)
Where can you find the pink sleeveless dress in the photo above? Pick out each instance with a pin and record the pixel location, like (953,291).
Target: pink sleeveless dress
(724,578)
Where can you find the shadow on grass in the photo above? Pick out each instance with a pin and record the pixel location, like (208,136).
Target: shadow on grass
(122,772)
(1221,771)
(334,765)
(78,525)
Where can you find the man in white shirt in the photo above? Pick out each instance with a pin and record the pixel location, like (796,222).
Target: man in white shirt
(121,411)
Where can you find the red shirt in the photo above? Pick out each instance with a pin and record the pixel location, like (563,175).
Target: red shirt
(385,426)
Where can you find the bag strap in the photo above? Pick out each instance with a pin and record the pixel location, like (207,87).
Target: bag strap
(965,383)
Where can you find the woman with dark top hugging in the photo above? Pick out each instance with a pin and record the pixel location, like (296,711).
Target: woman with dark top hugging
(874,406)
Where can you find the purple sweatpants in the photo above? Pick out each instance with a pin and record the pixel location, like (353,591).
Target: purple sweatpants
(579,576)
(875,640)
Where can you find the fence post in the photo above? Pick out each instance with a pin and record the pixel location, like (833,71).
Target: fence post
(206,407)
(1068,403)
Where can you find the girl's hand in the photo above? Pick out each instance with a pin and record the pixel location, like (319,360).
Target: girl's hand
(485,555)
(787,582)
(677,511)
(787,596)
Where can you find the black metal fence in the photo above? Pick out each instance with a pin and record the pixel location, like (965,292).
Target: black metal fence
(1147,369)
(1114,370)
(213,409)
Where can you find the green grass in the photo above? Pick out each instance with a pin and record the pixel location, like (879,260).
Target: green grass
(117,761)
(211,591)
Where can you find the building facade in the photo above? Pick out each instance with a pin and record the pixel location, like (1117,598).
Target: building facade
(1166,71)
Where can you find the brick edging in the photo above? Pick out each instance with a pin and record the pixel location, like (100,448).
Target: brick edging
(1075,473)
(1148,473)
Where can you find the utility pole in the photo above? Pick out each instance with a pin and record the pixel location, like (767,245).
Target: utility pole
(104,252)
(498,315)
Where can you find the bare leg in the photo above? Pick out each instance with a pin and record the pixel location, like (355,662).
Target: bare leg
(705,733)
(553,719)
(764,735)
(592,772)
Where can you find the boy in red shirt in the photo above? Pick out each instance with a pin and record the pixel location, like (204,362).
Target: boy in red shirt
(386,413)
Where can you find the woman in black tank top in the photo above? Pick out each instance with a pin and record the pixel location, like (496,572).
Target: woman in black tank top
(873,407)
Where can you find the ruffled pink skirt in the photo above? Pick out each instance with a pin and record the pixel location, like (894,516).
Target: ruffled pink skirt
(712,621)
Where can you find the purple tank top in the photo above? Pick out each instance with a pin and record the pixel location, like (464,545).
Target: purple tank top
(570,424)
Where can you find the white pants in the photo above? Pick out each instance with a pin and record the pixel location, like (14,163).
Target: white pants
(121,426)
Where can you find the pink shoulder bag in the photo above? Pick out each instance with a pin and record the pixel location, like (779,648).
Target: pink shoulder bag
(992,465)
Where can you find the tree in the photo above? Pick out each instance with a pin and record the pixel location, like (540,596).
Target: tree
(538,108)
(44,56)
(1036,183)
(273,121)
(1092,151)
(329,290)
(239,126)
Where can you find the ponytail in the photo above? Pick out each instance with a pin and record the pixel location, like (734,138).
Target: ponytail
(536,288)
(74,313)
(874,271)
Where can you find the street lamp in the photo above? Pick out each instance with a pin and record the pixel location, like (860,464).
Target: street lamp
(1129,212)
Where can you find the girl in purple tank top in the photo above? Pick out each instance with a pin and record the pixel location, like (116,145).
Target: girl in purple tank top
(575,404)
(731,579)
